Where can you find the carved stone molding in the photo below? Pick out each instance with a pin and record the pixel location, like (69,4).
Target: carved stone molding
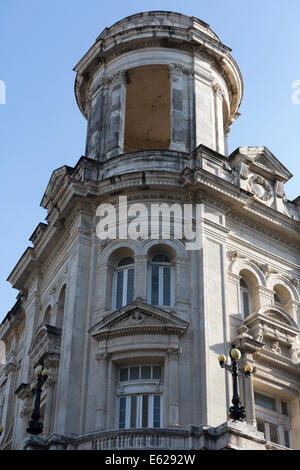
(218,90)
(174,352)
(103,356)
(178,69)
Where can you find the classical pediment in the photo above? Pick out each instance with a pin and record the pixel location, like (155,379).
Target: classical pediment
(54,182)
(46,340)
(272,322)
(261,161)
(138,318)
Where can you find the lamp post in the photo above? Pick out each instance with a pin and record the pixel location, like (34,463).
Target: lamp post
(237,411)
(35,427)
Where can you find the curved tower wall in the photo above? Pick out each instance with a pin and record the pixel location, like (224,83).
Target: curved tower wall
(162,77)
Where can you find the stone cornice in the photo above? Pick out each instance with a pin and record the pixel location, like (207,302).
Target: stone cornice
(183,33)
(138,318)
(239,205)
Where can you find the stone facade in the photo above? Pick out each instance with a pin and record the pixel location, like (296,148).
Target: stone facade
(240,287)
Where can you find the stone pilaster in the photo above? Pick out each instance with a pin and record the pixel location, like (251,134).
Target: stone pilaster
(103,361)
(179,107)
(174,407)
(116,115)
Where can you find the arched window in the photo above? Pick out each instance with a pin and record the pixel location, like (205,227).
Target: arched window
(161,281)
(277,300)
(124,283)
(61,308)
(245,298)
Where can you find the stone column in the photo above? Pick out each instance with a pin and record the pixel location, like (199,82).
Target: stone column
(49,410)
(26,396)
(179,108)
(97,118)
(141,277)
(249,399)
(72,364)
(173,355)
(103,360)
(116,115)
(226,133)
(10,370)
(218,99)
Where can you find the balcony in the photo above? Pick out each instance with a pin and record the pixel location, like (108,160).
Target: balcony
(228,435)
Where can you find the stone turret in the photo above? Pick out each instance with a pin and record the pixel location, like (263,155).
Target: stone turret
(157,81)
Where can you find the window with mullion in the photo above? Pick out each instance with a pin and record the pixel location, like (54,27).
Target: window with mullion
(140,411)
(161,285)
(124,287)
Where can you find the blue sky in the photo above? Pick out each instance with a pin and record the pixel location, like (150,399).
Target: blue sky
(42,129)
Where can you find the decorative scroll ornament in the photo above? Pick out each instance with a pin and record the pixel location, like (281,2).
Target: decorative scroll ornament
(260,187)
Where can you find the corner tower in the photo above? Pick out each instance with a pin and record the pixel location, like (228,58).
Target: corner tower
(157,81)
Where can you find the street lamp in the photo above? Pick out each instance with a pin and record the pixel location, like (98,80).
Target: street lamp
(237,411)
(35,427)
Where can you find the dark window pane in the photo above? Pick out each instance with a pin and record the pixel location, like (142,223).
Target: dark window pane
(284,408)
(122,413)
(133,412)
(277,299)
(287,439)
(154,285)
(134,373)
(124,374)
(160,259)
(167,286)
(273,433)
(156,372)
(264,401)
(126,261)
(119,293)
(130,285)
(146,372)
(246,304)
(156,411)
(260,426)
(145,411)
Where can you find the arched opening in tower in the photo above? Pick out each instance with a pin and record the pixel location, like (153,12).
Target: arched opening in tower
(148,109)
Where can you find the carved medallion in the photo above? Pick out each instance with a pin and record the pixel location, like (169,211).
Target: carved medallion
(261,188)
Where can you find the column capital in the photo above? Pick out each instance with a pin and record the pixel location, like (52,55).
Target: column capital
(103,356)
(178,69)
(174,352)
(219,92)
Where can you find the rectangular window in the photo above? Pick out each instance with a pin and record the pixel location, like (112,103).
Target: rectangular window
(124,374)
(144,411)
(273,433)
(287,438)
(157,372)
(130,285)
(260,426)
(122,413)
(156,411)
(166,286)
(265,401)
(146,372)
(119,296)
(133,411)
(155,285)
(246,304)
(284,408)
(134,373)
(139,411)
